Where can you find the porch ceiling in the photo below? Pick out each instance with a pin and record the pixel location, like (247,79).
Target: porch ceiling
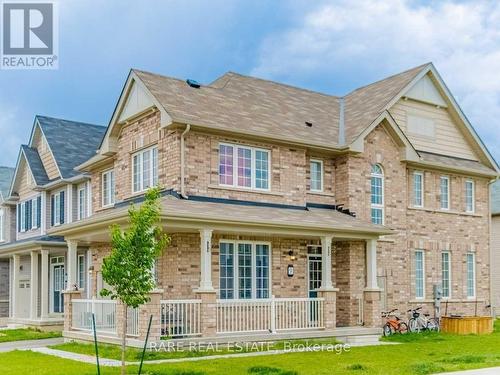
(187,215)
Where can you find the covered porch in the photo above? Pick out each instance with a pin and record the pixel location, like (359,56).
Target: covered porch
(241,279)
(38,271)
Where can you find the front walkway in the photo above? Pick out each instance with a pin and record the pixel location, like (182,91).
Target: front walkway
(483,371)
(29,344)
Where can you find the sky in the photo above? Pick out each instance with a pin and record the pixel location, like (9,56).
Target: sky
(327,46)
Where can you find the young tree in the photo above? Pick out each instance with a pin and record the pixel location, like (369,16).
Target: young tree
(128,270)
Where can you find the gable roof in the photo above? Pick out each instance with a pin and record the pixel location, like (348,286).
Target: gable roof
(239,103)
(35,165)
(71,142)
(365,104)
(6,174)
(256,107)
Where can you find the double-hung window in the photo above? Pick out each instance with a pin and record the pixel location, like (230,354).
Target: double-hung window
(446,274)
(245,167)
(469,196)
(144,169)
(29,214)
(316,173)
(57,208)
(108,188)
(244,270)
(418,189)
(445,192)
(377,194)
(471,275)
(82,202)
(419,274)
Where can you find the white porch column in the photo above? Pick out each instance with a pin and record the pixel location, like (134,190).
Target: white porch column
(206,260)
(371,265)
(71,263)
(326,262)
(44,280)
(15,283)
(88,275)
(34,286)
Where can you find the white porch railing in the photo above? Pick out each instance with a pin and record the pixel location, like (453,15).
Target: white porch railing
(269,315)
(132,321)
(105,315)
(181,318)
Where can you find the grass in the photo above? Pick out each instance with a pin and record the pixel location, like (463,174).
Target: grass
(26,334)
(134,355)
(417,354)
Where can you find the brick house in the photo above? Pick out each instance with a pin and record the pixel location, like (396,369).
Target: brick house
(44,192)
(290,211)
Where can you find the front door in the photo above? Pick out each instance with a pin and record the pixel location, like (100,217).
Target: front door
(58,276)
(314,271)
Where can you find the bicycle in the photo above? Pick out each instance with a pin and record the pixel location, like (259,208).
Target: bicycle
(418,323)
(393,323)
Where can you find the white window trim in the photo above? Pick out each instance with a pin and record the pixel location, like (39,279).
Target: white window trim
(111,195)
(141,168)
(423,274)
(473,196)
(441,178)
(449,273)
(421,174)
(34,213)
(22,206)
(57,210)
(321,177)
(252,167)
(380,206)
(473,274)
(254,269)
(81,216)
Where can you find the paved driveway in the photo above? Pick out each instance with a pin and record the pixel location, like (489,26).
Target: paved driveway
(28,344)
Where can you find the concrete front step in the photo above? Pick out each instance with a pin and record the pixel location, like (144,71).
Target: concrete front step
(360,340)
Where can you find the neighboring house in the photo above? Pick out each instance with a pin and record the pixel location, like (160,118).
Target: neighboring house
(6,174)
(495,247)
(289,209)
(46,192)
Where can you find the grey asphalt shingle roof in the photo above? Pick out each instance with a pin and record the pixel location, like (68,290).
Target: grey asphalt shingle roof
(6,174)
(35,165)
(495,198)
(71,142)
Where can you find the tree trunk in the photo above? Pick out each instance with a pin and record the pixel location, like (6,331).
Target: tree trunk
(124,337)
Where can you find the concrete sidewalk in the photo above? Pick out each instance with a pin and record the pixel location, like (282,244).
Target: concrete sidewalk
(483,371)
(29,344)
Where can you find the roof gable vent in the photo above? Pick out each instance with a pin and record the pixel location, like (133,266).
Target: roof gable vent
(192,83)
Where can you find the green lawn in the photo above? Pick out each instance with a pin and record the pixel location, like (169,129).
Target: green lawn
(417,354)
(134,355)
(25,334)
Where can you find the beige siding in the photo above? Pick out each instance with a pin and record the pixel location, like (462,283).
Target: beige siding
(495,262)
(48,162)
(448,139)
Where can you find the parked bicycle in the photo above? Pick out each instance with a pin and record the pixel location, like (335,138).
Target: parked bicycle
(393,324)
(421,322)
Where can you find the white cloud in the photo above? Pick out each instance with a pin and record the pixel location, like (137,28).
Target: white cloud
(370,39)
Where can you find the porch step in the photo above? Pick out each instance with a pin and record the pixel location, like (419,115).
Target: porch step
(361,340)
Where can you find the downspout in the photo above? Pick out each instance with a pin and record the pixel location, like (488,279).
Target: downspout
(183,189)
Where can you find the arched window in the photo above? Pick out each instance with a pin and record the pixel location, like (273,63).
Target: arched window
(377,194)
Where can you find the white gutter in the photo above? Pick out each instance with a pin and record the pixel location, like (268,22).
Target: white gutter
(492,308)
(183,189)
